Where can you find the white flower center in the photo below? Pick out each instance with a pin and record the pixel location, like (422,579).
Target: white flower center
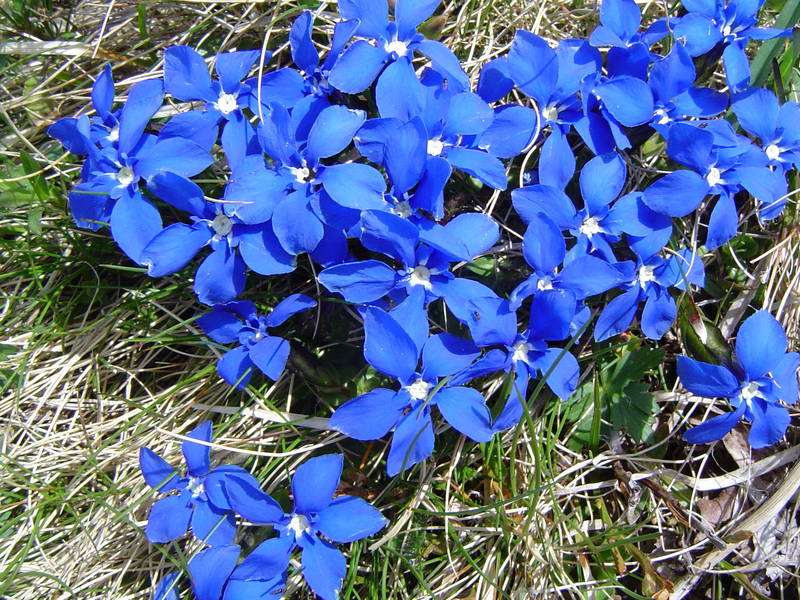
(421,275)
(751,390)
(550,113)
(419,389)
(714,176)
(300,175)
(125,176)
(402,209)
(645,274)
(545,283)
(663,117)
(226,103)
(773,152)
(113,135)
(398,47)
(299,525)
(521,350)
(590,227)
(222,225)
(196,486)
(435,147)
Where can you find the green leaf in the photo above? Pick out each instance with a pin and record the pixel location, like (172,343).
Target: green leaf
(760,67)
(633,410)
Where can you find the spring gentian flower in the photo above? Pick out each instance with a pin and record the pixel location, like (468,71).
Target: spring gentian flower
(396,41)
(544,250)
(239,321)
(216,576)
(629,49)
(201,500)
(776,125)
(762,375)
(394,344)
(425,265)
(220,277)
(316,512)
(186,78)
(716,169)
(650,279)
(675,98)
(712,22)
(492,322)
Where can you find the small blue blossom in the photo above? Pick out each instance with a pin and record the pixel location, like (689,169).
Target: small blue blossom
(316,513)
(239,322)
(201,502)
(761,376)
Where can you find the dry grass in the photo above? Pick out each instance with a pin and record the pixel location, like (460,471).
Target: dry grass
(99,361)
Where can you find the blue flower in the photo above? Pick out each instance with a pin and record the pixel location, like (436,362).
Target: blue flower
(216,576)
(649,280)
(239,321)
(721,164)
(342,520)
(201,500)
(778,129)
(629,53)
(424,265)
(109,193)
(361,62)
(394,344)
(544,250)
(762,375)
(186,78)
(675,98)
(426,126)
(492,322)
(732,25)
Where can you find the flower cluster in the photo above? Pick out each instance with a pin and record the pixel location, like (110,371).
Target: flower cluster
(346,158)
(210,499)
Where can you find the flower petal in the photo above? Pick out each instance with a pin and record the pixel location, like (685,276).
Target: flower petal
(235,367)
(706,380)
(760,344)
(168,519)
(387,346)
(134,223)
(676,194)
(267,560)
(220,277)
(770,422)
(412,441)
(210,569)
(186,75)
(173,248)
(716,428)
(445,354)
(212,525)
(157,473)
(354,185)
(465,409)
(324,568)
(250,502)
(269,354)
(357,67)
(348,519)
(332,131)
(315,481)
(362,281)
(371,415)
(144,99)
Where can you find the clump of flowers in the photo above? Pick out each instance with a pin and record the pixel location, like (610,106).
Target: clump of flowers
(359,190)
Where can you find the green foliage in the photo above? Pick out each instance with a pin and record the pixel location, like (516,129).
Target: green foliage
(616,399)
